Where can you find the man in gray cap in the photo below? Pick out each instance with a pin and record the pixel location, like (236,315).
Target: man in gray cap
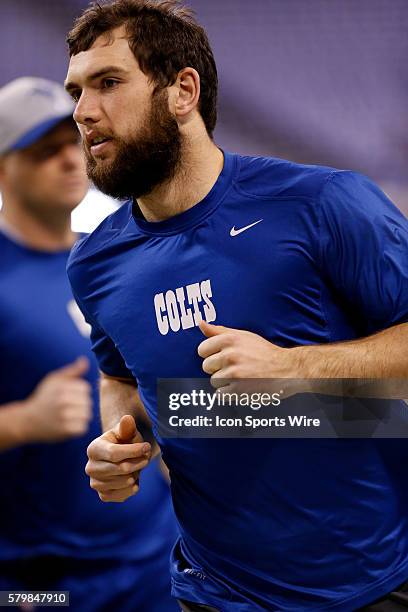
(55,534)
(44,107)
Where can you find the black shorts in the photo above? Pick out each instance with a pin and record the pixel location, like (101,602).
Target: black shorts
(191,606)
(395,601)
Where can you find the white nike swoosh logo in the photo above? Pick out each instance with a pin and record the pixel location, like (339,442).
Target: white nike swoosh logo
(235,232)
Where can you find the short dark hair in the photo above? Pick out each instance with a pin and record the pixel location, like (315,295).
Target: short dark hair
(163,36)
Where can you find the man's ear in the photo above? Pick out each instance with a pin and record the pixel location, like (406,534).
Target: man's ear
(188,92)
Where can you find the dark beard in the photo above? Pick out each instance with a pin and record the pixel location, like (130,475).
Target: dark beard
(143,162)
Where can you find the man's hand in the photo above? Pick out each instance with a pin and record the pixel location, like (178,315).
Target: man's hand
(60,406)
(237,354)
(115,461)
(234,355)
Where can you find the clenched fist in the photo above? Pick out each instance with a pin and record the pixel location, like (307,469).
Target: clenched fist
(115,461)
(235,358)
(60,406)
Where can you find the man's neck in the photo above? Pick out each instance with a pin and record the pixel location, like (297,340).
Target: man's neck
(200,166)
(44,233)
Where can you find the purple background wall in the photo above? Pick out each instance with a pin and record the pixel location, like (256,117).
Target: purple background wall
(317,81)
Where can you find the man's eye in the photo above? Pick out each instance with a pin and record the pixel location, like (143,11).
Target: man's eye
(75,95)
(46,153)
(109,83)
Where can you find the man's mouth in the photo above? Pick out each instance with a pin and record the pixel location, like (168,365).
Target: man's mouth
(100,145)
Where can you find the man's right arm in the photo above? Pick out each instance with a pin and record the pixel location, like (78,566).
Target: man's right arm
(120,453)
(118,396)
(116,457)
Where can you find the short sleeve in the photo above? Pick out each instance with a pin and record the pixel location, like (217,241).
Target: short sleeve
(364,249)
(109,358)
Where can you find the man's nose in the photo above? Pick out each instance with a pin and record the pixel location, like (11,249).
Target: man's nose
(87,110)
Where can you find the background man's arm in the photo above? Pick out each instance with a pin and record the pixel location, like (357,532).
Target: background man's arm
(14,425)
(59,407)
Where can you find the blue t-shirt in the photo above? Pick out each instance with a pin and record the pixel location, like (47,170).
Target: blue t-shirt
(271,524)
(47,506)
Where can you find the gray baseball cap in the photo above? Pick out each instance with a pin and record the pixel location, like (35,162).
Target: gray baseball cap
(29,108)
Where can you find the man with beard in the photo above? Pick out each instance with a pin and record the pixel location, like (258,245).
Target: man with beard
(54,532)
(308,268)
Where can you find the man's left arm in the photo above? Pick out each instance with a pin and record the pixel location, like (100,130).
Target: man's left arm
(236,353)
(381,355)
(363,257)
